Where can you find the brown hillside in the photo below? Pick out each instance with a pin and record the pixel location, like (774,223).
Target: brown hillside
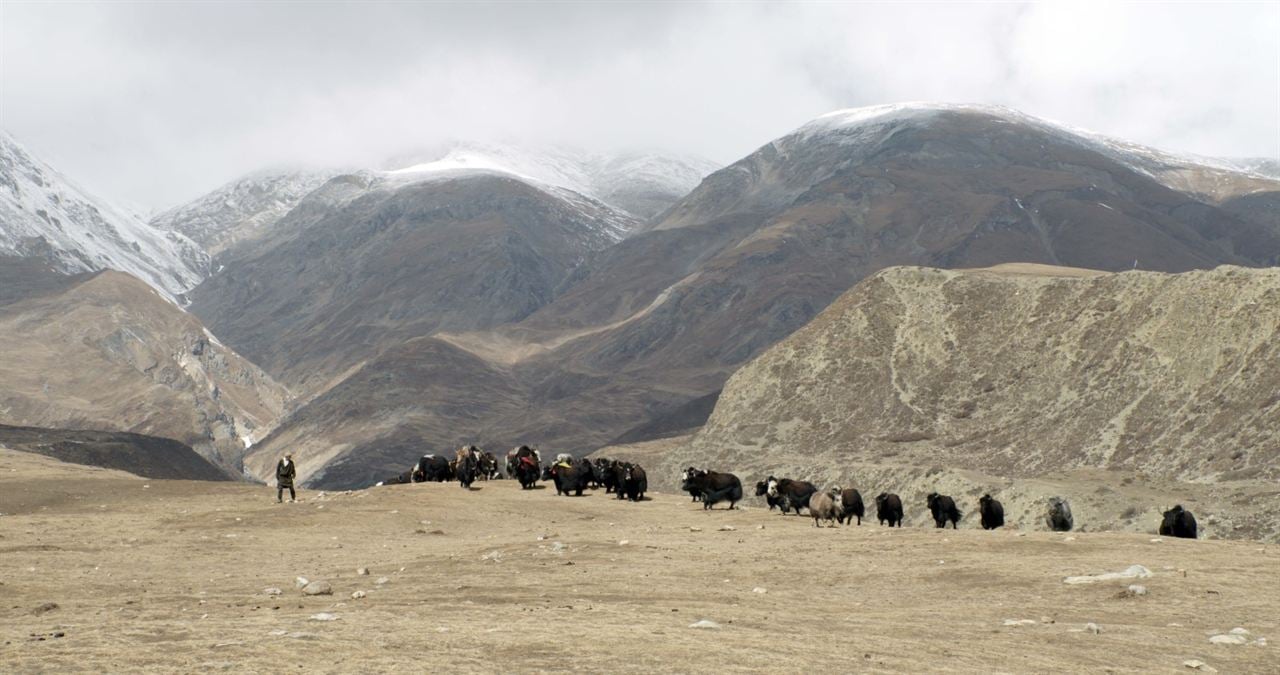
(105,352)
(1017,373)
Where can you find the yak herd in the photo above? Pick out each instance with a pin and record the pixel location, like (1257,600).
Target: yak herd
(627,480)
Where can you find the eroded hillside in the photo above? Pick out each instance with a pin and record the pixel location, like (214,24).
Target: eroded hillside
(1016,372)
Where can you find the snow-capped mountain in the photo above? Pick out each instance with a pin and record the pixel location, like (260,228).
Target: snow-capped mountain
(45,215)
(241,209)
(1211,177)
(642,183)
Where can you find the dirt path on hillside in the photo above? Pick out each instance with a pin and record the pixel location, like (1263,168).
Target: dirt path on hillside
(169,576)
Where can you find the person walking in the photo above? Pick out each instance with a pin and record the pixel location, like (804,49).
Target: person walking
(285,472)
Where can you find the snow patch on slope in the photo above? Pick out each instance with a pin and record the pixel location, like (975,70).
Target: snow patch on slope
(242,208)
(603,177)
(45,215)
(851,124)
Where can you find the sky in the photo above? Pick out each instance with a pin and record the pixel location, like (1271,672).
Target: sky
(152,104)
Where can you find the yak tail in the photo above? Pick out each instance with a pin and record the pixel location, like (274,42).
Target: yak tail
(735,493)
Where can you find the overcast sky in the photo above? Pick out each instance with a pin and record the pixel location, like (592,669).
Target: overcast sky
(155,103)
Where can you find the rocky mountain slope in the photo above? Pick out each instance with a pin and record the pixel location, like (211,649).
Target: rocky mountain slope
(242,210)
(644,327)
(334,286)
(104,351)
(45,215)
(1023,372)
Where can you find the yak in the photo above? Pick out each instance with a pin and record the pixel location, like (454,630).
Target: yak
(823,506)
(634,483)
(889,508)
(1178,522)
(433,469)
(1058,515)
(849,505)
(467,468)
(943,509)
(992,512)
(715,487)
(762,490)
(796,493)
(570,476)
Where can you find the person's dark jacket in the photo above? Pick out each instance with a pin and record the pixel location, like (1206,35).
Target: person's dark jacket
(285,473)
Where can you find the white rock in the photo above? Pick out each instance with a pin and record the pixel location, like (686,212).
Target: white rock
(324,616)
(300,582)
(1019,622)
(760,590)
(358,595)
(695,529)
(382,580)
(1137,589)
(557,547)
(1092,627)
(1132,572)
(727,528)
(271,591)
(624,542)
(1228,639)
(362,571)
(1197,664)
(1238,631)
(704,623)
(317,588)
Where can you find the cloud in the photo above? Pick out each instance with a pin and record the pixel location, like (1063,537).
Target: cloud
(156,103)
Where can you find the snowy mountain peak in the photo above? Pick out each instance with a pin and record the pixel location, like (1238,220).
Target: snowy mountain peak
(45,215)
(639,183)
(242,208)
(856,125)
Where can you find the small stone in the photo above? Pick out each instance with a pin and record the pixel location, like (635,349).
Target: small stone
(1137,589)
(300,582)
(1019,622)
(1092,627)
(324,616)
(624,542)
(1228,639)
(317,588)
(272,591)
(759,590)
(1238,631)
(358,595)
(1197,664)
(362,571)
(727,528)
(557,547)
(704,623)
(759,527)
(382,581)
(695,529)
(44,608)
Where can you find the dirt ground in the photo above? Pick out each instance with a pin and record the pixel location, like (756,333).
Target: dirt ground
(152,575)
